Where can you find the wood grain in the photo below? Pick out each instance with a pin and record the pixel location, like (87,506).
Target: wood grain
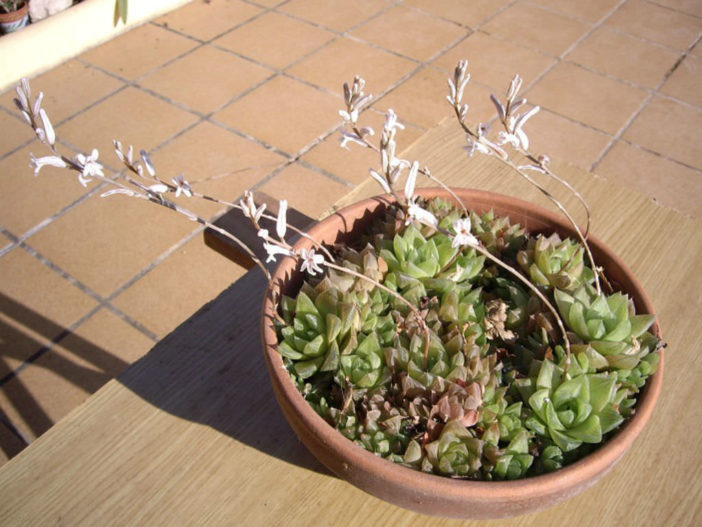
(191,433)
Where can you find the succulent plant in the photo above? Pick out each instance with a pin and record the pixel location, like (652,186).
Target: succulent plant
(550,261)
(570,411)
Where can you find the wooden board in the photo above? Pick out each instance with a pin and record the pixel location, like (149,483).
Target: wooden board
(191,433)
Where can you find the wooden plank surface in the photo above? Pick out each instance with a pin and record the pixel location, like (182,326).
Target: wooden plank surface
(191,433)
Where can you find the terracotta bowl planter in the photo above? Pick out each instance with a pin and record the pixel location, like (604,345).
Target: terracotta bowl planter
(10,22)
(428,493)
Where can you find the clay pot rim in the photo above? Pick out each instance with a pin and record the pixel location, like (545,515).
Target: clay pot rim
(575,476)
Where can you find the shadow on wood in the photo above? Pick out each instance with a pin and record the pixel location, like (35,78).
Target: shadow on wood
(211,370)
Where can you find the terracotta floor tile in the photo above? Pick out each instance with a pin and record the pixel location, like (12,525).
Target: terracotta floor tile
(103,242)
(421,99)
(410,32)
(196,80)
(565,140)
(592,10)
(692,7)
(107,342)
(179,286)
(494,62)
(274,39)
(14,133)
(284,113)
(48,389)
(68,89)
(294,184)
(339,61)
(207,19)
(25,200)
(215,162)
(268,3)
(37,305)
(339,15)
(592,99)
(353,164)
(669,128)
(132,116)
(669,183)
(624,57)
(139,51)
(471,13)
(685,82)
(657,23)
(536,28)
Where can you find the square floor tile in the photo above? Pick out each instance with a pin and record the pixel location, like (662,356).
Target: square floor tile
(536,28)
(471,13)
(197,82)
(10,444)
(669,128)
(139,51)
(344,58)
(15,132)
(624,57)
(656,23)
(494,62)
(339,15)
(283,113)
(178,287)
(215,162)
(207,19)
(275,40)
(26,200)
(410,32)
(353,164)
(131,116)
(104,242)
(592,10)
(107,342)
(686,81)
(670,184)
(37,304)
(295,183)
(592,99)
(421,99)
(68,88)
(565,140)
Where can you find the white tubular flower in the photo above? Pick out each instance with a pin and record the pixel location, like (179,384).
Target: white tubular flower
(476,146)
(349,117)
(114,191)
(248,207)
(262,233)
(281,225)
(347,137)
(415,212)
(37,163)
(311,261)
(147,163)
(391,121)
(463,235)
(504,138)
(49,133)
(274,250)
(381,180)
(411,181)
(89,167)
(182,186)
(159,188)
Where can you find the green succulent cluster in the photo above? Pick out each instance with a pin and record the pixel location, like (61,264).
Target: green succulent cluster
(555,263)
(493,396)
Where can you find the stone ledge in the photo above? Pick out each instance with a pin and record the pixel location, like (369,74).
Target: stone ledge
(49,42)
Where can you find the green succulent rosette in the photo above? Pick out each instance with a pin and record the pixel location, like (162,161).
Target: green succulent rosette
(555,263)
(570,411)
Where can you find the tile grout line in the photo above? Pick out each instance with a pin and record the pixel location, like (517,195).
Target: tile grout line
(638,112)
